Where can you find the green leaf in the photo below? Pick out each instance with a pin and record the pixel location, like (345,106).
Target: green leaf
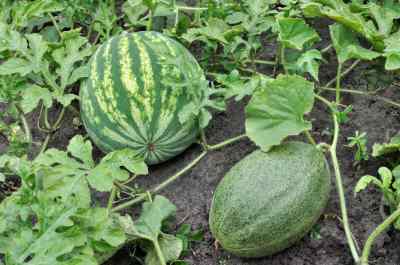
(78,73)
(16,66)
(363,183)
(237,86)
(392,52)
(386,176)
(346,15)
(134,10)
(386,148)
(32,95)
(38,47)
(347,45)
(110,169)
(308,62)
(129,159)
(75,50)
(148,228)
(295,33)
(81,149)
(276,111)
(215,30)
(27,12)
(171,247)
(66,99)
(396,172)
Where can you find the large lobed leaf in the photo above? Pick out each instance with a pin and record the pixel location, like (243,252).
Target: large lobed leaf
(347,45)
(277,110)
(295,33)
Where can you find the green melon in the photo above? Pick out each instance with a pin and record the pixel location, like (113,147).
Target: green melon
(268,201)
(138,85)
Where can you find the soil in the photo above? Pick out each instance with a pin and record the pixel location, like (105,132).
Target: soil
(326,245)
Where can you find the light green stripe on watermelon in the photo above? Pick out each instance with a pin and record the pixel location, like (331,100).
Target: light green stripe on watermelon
(130,100)
(166,115)
(171,101)
(127,91)
(147,90)
(130,84)
(104,99)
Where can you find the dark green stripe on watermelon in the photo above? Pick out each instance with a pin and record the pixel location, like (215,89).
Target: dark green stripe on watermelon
(127,102)
(268,201)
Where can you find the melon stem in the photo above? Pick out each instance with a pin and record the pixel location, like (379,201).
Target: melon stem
(339,181)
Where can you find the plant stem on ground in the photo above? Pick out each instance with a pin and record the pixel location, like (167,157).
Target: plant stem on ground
(339,182)
(327,48)
(310,138)
(224,143)
(171,179)
(380,229)
(372,94)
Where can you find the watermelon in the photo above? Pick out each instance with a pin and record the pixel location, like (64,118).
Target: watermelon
(139,86)
(268,201)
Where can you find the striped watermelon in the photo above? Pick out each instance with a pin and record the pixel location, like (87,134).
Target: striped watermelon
(134,95)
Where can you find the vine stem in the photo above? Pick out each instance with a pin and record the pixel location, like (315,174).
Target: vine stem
(339,181)
(327,48)
(257,61)
(224,143)
(344,73)
(350,91)
(54,127)
(159,252)
(111,198)
(283,61)
(338,78)
(171,179)
(310,137)
(190,8)
(27,130)
(150,22)
(55,25)
(45,143)
(378,230)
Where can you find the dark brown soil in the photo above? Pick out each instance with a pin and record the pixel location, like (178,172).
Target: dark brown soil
(193,192)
